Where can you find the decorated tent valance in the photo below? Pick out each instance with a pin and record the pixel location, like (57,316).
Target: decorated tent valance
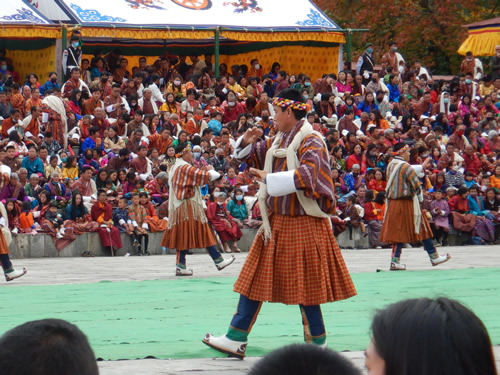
(483,37)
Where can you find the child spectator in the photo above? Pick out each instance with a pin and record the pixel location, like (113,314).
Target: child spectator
(439,211)
(154,224)
(352,216)
(70,169)
(137,218)
(52,167)
(55,218)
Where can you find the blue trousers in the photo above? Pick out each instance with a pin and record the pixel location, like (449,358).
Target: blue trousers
(248,310)
(212,251)
(428,246)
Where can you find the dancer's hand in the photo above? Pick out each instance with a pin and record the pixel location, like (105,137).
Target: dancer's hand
(251,136)
(259,175)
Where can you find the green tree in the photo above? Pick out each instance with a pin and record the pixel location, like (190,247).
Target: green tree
(428,30)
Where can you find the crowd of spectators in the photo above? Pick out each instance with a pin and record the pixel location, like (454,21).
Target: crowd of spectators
(113,129)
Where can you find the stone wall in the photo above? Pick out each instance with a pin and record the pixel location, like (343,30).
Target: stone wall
(42,245)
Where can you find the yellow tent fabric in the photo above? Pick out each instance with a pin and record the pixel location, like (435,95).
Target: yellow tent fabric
(40,62)
(481,41)
(30,31)
(313,61)
(143,34)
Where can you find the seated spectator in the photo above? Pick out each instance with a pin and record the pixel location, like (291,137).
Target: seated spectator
(32,162)
(378,183)
(87,160)
(102,212)
(13,190)
(158,188)
(58,346)
(461,219)
(302,359)
(228,230)
(92,141)
(57,190)
(70,169)
(454,177)
(52,167)
(154,223)
(352,217)
(403,327)
(373,212)
(484,227)
(237,208)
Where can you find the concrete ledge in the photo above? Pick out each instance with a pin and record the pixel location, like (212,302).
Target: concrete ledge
(357,242)
(42,245)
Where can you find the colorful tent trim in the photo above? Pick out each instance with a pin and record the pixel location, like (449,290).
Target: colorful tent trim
(483,37)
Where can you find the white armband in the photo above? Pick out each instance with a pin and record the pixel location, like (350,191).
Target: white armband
(281,183)
(214,175)
(129,222)
(109,108)
(134,223)
(240,153)
(122,222)
(145,226)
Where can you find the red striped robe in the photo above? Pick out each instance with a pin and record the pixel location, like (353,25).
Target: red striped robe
(313,176)
(186,179)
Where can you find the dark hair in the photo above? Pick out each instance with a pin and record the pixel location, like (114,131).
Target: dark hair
(440,325)
(180,147)
(380,197)
(302,359)
(74,206)
(47,347)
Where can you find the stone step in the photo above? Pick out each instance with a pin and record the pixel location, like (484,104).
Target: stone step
(42,245)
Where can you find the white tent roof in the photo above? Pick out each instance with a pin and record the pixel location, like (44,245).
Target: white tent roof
(16,12)
(51,10)
(244,14)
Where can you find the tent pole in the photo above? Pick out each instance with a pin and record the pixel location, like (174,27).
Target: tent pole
(217,32)
(348,48)
(64,41)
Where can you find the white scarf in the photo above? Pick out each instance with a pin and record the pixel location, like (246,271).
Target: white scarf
(310,206)
(417,214)
(174,203)
(57,105)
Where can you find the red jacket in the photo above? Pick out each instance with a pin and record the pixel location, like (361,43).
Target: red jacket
(472,164)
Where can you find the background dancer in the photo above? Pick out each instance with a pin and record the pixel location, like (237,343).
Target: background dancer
(404,221)
(294,259)
(188,227)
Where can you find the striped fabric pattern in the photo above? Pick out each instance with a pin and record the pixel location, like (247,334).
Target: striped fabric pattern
(405,185)
(313,176)
(186,180)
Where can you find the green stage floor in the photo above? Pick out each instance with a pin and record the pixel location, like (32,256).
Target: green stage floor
(168,318)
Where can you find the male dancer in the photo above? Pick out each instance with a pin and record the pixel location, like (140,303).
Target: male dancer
(188,227)
(294,259)
(404,221)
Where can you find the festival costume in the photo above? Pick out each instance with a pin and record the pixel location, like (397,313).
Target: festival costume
(109,235)
(404,221)
(294,259)
(188,227)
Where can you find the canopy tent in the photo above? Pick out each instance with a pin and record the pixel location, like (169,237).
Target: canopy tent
(303,39)
(28,37)
(483,37)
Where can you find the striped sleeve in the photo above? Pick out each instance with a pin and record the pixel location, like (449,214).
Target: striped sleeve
(313,176)
(188,177)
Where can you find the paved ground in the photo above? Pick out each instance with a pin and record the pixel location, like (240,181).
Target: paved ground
(52,271)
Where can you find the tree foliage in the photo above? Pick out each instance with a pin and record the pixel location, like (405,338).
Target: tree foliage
(428,30)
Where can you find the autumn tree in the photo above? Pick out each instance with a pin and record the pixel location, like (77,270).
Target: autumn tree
(429,30)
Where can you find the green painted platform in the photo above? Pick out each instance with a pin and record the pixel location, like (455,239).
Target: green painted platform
(168,318)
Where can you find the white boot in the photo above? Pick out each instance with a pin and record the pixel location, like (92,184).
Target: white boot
(226,262)
(440,259)
(14,274)
(232,348)
(183,272)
